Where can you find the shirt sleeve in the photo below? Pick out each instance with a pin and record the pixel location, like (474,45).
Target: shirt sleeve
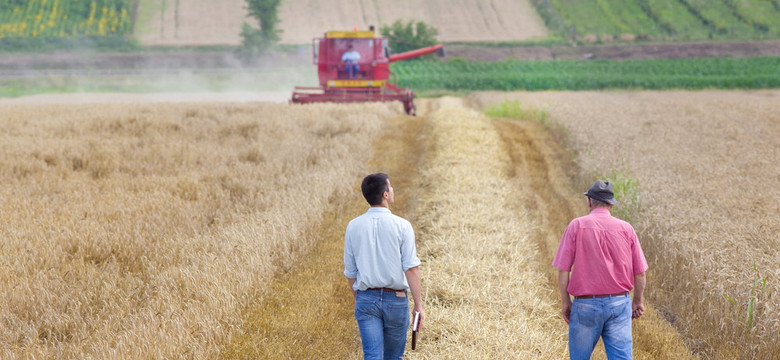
(637,255)
(350,267)
(564,257)
(409,257)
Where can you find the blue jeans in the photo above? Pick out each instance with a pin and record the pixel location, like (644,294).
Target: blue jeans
(352,69)
(608,318)
(383,319)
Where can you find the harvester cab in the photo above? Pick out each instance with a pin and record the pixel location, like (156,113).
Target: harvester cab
(364,77)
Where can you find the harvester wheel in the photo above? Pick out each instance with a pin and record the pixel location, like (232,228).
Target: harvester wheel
(409,104)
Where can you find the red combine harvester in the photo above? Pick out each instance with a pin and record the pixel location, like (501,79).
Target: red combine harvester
(370,83)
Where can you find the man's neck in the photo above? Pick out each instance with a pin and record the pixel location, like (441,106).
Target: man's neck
(384,204)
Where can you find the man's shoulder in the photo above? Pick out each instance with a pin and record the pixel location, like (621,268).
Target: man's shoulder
(578,220)
(397,220)
(594,220)
(358,219)
(620,222)
(402,220)
(393,217)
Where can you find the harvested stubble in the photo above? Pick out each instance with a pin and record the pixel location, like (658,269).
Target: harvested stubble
(486,297)
(709,183)
(141,231)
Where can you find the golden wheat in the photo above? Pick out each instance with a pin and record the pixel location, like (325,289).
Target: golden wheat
(708,173)
(141,231)
(484,294)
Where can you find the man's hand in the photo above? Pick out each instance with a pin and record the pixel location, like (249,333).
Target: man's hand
(415,286)
(637,307)
(422,316)
(637,310)
(566,310)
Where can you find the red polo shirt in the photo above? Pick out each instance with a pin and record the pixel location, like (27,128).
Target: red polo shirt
(604,251)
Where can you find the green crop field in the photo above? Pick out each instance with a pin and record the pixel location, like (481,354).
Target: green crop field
(720,73)
(64,19)
(663,19)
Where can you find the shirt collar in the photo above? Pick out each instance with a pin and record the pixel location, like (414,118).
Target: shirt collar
(378,209)
(600,211)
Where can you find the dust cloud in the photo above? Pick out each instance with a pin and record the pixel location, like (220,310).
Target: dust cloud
(117,98)
(153,76)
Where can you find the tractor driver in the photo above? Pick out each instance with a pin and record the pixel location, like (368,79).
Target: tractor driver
(350,59)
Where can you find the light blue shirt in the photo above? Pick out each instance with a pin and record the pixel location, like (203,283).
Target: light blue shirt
(351,56)
(378,249)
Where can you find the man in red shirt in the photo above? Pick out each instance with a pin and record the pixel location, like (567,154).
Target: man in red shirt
(607,262)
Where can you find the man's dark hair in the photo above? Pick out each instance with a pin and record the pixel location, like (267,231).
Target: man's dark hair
(373,187)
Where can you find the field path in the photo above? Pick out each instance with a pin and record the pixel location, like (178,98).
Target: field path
(490,291)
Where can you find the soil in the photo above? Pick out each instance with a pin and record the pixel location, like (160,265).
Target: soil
(19,65)
(621,51)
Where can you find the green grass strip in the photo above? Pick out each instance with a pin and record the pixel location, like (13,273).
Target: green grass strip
(656,74)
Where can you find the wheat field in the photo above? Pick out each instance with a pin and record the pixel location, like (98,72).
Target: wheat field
(205,230)
(143,230)
(488,284)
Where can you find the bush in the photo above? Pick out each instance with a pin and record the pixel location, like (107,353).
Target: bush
(410,36)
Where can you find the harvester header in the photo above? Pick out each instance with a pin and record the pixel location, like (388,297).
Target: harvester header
(354,66)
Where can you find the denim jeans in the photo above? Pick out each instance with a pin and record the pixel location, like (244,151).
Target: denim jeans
(383,319)
(608,318)
(352,69)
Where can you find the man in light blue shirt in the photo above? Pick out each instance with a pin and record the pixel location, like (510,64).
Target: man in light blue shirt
(381,264)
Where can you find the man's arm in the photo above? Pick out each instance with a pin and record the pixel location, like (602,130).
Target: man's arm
(639,291)
(413,278)
(352,282)
(563,284)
